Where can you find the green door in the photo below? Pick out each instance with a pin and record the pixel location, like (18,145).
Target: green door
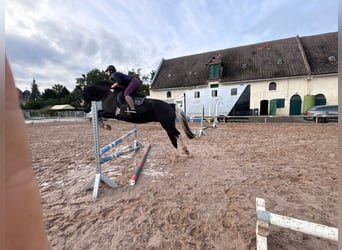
(273,107)
(295,105)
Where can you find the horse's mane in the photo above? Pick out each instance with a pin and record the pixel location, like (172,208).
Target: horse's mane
(97,90)
(101,84)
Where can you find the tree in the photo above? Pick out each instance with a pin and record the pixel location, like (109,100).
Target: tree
(75,97)
(35,97)
(92,76)
(49,94)
(61,91)
(59,94)
(35,94)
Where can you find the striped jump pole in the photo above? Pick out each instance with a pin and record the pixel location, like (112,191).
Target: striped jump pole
(118,154)
(117,141)
(139,167)
(264,219)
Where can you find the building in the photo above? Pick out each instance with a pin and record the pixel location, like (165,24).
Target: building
(23,96)
(281,77)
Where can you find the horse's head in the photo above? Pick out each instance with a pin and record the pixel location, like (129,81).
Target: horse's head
(94,92)
(86,100)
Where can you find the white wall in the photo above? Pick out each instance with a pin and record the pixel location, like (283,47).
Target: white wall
(286,88)
(176,94)
(327,85)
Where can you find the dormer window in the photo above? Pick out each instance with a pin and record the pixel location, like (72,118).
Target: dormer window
(214,67)
(168,94)
(214,71)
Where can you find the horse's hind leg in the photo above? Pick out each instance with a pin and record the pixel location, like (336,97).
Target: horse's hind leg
(172,132)
(174,135)
(173,138)
(184,147)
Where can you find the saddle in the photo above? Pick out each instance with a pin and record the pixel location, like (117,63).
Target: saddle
(138,98)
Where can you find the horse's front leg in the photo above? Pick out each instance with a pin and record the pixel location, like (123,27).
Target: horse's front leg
(103,125)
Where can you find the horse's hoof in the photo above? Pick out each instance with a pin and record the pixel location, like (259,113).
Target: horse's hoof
(186,151)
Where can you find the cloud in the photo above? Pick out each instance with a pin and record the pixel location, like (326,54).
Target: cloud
(25,49)
(56,41)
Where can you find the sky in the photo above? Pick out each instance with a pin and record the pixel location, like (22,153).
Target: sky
(56,41)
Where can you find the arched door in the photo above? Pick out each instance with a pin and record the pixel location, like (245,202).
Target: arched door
(295,105)
(264,107)
(320,100)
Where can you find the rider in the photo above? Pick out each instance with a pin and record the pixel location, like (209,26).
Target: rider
(129,83)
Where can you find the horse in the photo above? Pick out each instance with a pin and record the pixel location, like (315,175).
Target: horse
(148,110)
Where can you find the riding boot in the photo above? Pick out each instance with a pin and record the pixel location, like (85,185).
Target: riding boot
(130,103)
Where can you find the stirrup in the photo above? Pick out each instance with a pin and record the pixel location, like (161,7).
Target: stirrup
(132,111)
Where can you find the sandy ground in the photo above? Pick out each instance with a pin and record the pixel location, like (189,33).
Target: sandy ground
(205,201)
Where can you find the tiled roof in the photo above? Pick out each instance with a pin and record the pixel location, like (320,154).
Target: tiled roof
(273,59)
(318,49)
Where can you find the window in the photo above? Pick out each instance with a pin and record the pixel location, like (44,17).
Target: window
(233,91)
(214,92)
(197,94)
(168,94)
(333,108)
(280,103)
(214,71)
(272,86)
(214,85)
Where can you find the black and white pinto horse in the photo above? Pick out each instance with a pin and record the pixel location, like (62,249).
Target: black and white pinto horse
(148,110)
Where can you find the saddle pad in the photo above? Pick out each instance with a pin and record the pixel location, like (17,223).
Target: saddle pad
(138,100)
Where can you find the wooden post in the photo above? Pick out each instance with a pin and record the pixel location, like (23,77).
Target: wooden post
(264,219)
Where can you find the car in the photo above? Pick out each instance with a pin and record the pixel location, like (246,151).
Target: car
(322,113)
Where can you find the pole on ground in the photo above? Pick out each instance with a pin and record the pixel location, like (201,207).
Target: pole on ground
(139,167)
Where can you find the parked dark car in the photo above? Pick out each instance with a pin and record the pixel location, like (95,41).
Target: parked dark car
(322,113)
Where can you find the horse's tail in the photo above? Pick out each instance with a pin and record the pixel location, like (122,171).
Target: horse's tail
(185,125)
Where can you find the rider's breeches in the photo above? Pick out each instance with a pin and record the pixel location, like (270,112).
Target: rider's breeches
(132,86)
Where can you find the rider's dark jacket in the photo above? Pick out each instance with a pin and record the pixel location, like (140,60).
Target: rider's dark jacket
(120,78)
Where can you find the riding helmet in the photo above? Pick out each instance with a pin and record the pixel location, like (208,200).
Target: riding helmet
(111,68)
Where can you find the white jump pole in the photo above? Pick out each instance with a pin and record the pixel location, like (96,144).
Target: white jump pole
(201,130)
(264,219)
(95,106)
(99,176)
(215,118)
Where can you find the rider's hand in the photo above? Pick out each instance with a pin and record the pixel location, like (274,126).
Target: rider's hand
(114,85)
